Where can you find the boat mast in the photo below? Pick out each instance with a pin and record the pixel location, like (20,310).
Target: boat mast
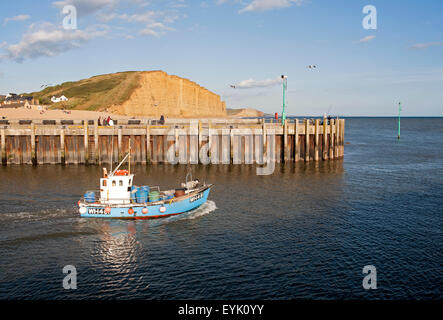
(124,159)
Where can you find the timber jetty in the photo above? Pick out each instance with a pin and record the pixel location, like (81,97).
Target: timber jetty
(209,141)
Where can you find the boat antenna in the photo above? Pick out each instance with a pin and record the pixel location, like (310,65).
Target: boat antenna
(130,140)
(112,149)
(124,159)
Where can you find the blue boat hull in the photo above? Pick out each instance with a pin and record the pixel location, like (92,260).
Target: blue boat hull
(154,211)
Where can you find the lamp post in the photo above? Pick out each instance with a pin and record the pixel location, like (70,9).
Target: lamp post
(285,86)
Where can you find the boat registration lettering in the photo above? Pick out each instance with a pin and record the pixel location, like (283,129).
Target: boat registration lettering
(196,197)
(97,211)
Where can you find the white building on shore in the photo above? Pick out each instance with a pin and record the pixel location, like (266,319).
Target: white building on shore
(59,99)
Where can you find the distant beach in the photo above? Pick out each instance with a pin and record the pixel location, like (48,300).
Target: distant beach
(31,114)
(27,114)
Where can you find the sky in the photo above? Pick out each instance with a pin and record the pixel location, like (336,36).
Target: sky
(366,61)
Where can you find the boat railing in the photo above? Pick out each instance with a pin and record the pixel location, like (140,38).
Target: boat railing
(157,188)
(98,200)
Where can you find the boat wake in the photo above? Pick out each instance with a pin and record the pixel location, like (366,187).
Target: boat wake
(206,208)
(38,215)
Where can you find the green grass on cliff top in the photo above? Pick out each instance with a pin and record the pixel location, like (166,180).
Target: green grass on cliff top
(94,94)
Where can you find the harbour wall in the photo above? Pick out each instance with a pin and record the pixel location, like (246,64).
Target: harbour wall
(246,141)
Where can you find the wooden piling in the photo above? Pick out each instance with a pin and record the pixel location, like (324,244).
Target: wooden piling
(148,144)
(331,139)
(285,141)
(297,143)
(336,140)
(209,139)
(3,142)
(307,132)
(248,149)
(317,122)
(200,139)
(86,142)
(62,147)
(96,149)
(342,138)
(193,143)
(265,148)
(325,139)
(231,145)
(176,142)
(33,150)
(236,148)
(226,156)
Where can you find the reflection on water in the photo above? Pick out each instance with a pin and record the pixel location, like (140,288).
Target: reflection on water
(305,231)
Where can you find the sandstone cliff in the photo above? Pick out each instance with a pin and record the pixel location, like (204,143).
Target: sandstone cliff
(137,93)
(174,97)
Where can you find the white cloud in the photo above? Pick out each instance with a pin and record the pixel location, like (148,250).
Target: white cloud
(249,84)
(49,40)
(264,5)
(20,17)
(87,7)
(419,46)
(155,29)
(155,22)
(366,39)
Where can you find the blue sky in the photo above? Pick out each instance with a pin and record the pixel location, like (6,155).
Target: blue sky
(246,43)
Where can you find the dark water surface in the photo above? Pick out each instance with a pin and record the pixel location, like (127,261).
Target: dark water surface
(306,231)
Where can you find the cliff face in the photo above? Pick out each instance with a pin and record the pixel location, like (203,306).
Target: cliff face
(244,113)
(161,94)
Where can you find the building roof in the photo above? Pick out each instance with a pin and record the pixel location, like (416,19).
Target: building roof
(13,105)
(19,98)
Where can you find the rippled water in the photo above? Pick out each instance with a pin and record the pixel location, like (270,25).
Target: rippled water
(304,232)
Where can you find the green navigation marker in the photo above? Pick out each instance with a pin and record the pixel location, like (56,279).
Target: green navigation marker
(399,113)
(285,85)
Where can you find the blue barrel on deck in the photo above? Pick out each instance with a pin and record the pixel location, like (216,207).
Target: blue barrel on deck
(145,188)
(134,190)
(90,197)
(141,196)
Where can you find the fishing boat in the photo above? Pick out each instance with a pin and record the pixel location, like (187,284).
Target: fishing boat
(119,198)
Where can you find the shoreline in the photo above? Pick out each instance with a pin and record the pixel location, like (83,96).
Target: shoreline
(30,114)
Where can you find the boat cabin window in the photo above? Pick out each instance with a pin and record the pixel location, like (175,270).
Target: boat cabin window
(113,183)
(129,181)
(104,183)
(120,183)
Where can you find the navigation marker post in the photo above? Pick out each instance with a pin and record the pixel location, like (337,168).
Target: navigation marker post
(285,86)
(399,112)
